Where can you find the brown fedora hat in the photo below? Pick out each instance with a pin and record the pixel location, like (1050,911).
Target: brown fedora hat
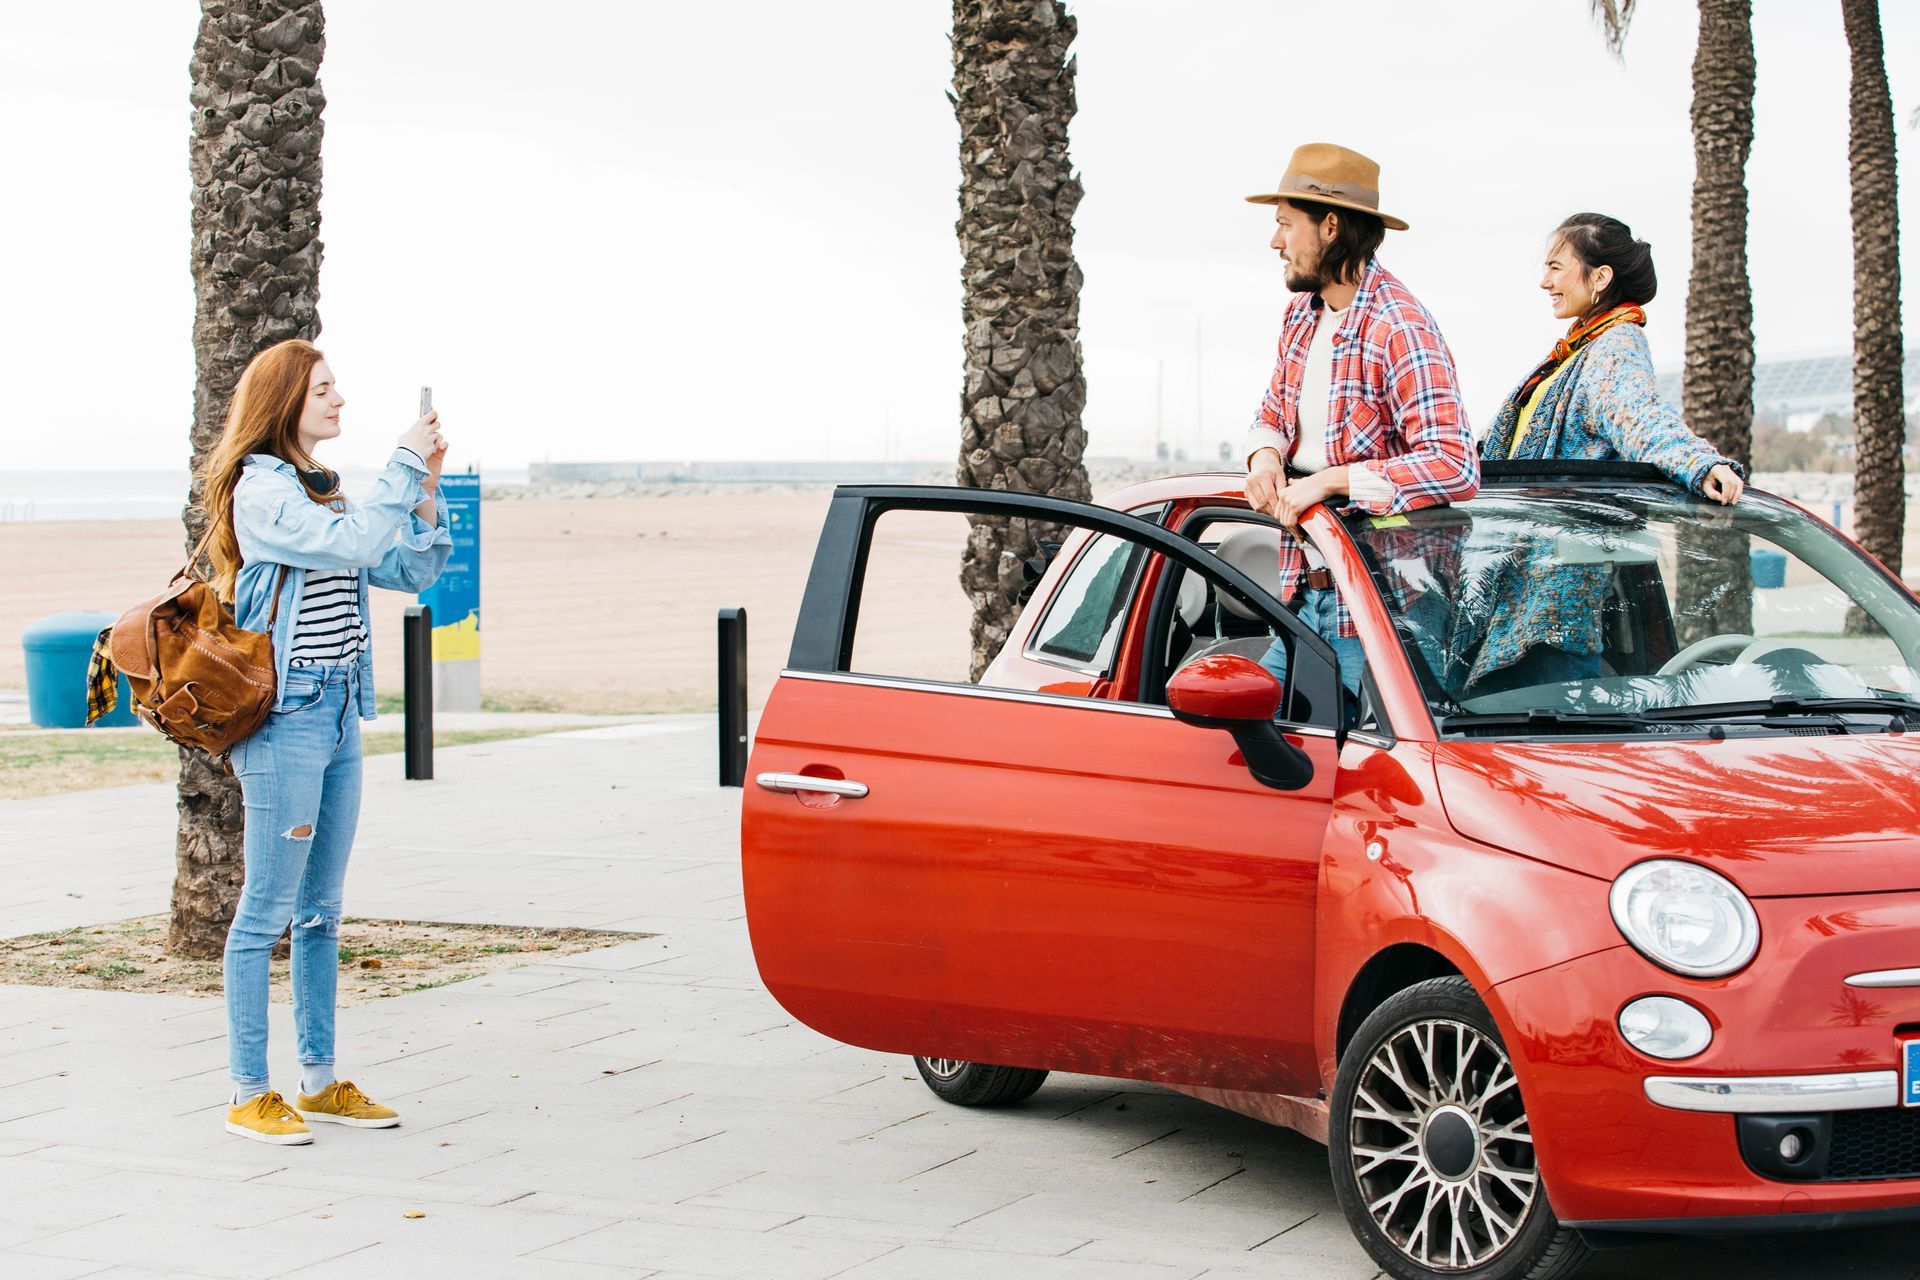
(1327,174)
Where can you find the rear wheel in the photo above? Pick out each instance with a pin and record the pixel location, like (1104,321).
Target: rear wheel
(975,1084)
(1431,1147)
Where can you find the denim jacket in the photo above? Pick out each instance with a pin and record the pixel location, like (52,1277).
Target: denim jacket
(278,524)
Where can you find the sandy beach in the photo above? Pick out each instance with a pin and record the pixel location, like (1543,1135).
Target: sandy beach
(607,604)
(586,604)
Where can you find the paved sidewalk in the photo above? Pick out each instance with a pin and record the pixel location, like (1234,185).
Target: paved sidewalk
(641,1110)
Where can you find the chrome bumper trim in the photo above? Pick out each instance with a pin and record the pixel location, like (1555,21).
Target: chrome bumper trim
(1841,1091)
(1886,978)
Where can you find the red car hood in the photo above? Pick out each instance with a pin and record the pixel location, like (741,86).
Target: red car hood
(1780,817)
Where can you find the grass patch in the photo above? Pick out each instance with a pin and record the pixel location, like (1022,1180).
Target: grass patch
(378,958)
(50,761)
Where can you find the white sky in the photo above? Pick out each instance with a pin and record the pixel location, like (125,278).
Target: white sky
(638,230)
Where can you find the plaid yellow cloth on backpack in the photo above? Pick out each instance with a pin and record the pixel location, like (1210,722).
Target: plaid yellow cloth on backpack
(103,678)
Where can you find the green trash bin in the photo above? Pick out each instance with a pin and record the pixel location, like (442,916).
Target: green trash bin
(57,649)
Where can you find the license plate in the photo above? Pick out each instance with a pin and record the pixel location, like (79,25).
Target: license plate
(1910,1073)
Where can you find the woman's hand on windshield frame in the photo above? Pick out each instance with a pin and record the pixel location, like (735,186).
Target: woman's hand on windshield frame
(1723,485)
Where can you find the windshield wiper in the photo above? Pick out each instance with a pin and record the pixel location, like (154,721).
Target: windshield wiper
(1544,720)
(1783,704)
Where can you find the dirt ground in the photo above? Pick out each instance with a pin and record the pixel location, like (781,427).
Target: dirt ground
(591,605)
(377,957)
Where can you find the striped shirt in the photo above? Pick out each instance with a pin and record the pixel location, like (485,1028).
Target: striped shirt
(329,630)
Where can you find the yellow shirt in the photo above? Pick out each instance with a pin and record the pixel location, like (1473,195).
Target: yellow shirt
(1526,410)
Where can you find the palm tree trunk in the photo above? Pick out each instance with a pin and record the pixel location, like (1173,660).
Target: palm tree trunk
(1717,392)
(1879,418)
(1024,388)
(255,158)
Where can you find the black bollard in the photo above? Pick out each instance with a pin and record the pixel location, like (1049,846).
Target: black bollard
(417,647)
(733,697)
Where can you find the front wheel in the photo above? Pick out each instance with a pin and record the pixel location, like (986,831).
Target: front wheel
(1431,1148)
(975,1084)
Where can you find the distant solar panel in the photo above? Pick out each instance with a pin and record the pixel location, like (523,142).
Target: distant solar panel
(1807,384)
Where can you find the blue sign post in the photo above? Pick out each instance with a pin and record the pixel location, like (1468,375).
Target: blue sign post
(455,600)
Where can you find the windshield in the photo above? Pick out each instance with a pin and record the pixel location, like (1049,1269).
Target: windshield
(1637,603)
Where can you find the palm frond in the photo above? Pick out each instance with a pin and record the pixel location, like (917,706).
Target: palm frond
(1614,17)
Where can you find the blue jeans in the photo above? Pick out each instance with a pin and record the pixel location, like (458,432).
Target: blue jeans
(1320,610)
(300,776)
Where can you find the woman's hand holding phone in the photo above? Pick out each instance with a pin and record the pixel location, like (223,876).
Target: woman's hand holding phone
(425,439)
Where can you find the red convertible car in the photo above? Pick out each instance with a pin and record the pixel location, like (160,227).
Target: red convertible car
(1586,909)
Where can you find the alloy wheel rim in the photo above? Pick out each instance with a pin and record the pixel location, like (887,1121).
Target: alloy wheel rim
(1441,1149)
(945,1068)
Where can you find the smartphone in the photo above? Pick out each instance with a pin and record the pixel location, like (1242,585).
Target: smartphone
(426,401)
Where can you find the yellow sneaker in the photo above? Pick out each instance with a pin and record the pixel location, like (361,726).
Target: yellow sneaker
(266,1117)
(341,1103)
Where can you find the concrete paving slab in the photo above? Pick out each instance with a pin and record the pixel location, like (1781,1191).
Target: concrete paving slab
(642,1110)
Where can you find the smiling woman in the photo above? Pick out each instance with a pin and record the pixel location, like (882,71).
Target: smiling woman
(296,558)
(1593,397)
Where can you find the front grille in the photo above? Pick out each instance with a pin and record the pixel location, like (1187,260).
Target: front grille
(1882,1143)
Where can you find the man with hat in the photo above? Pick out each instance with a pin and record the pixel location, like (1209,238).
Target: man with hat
(1364,404)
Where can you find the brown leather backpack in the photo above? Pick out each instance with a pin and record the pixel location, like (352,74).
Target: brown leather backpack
(195,676)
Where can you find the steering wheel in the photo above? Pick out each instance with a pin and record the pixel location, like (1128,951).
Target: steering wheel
(1694,654)
(1766,645)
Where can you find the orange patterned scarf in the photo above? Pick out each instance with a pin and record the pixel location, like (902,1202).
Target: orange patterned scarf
(1579,335)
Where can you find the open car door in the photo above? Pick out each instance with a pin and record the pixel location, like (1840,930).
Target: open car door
(1026,878)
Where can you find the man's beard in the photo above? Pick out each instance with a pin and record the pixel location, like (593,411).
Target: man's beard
(1304,279)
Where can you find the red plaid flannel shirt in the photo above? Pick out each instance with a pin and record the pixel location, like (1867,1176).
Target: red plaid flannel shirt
(1394,399)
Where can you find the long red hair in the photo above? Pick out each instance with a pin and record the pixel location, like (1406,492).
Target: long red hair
(264,417)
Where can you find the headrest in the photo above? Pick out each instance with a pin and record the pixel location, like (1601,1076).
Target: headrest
(1192,600)
(1255,551)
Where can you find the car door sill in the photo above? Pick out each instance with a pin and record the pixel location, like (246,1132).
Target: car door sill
(1306,1116)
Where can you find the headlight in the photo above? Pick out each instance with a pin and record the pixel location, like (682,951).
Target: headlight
(1663,1027)
(1685,918)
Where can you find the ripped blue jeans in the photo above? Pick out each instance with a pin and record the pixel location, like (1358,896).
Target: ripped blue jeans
(300,776)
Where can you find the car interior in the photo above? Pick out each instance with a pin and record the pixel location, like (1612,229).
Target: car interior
(1207,621)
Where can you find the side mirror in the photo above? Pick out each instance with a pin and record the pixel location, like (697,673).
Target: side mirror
(1222,690)
(1227,691)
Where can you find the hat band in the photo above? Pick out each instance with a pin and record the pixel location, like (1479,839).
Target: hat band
(1301,184)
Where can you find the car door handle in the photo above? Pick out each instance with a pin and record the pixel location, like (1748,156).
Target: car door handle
(793,783)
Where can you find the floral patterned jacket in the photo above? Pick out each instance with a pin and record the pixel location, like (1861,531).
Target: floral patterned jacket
(1606,407)
(1603,407)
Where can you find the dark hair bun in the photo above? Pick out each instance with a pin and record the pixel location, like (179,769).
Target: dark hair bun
(1600,241)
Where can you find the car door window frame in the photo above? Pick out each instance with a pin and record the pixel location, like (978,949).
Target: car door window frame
(829,610)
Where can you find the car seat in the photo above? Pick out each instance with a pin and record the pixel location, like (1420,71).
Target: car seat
(1255,551)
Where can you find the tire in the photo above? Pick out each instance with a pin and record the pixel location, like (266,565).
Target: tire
(1425,1105)
(974,1084)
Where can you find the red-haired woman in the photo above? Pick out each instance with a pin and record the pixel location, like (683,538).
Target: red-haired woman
(287,546)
